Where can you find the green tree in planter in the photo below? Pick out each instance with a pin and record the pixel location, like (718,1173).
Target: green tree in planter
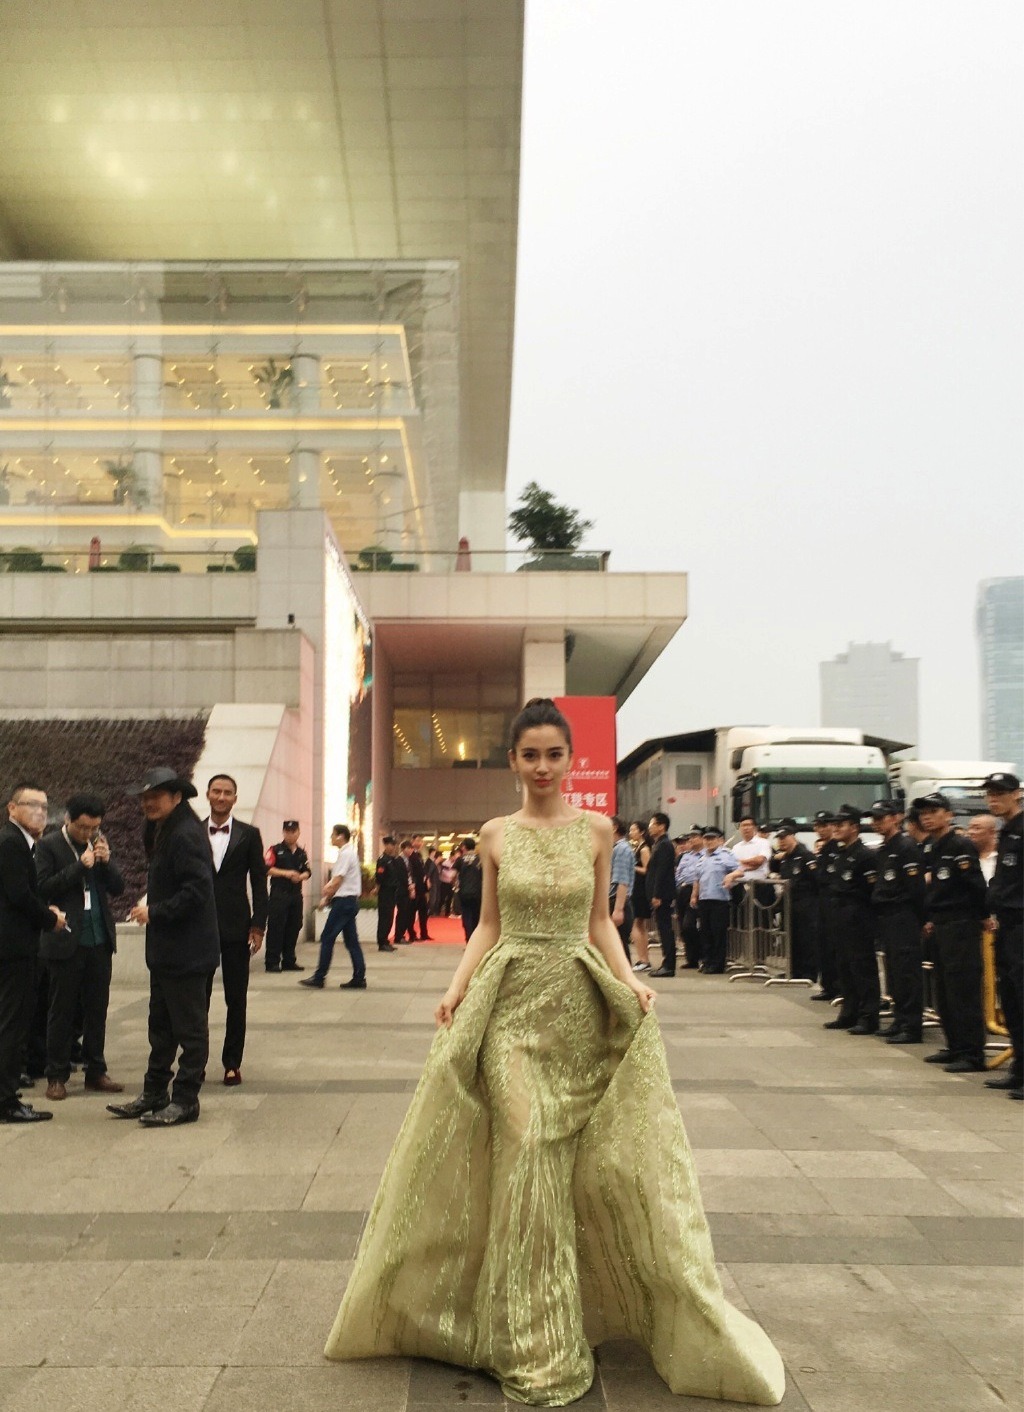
(274,381)
(541,523)
(128,489)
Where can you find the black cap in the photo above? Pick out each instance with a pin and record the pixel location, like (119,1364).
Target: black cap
(786,828)
(290,824)
(164,777)
(882,808)
(712,831)
(848,814)
(932,801)
(1002,782)
(824,816)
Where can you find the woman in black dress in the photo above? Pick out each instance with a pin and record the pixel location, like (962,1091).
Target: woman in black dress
(641,846)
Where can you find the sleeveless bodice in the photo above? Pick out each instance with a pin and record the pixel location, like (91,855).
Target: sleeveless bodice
(546,883)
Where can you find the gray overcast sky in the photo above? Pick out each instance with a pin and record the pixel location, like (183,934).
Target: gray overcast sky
(768,330)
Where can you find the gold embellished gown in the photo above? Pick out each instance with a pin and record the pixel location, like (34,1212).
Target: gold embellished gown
(541,1196)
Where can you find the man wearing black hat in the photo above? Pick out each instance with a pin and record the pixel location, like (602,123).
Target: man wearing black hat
(182,951)
(799,867)
(287,868)
(826,850)
(898,902)
(851,882)
(391,878)
(1006,901)
(955,906)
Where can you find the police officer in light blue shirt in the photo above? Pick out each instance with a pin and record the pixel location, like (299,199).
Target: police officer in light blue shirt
(712,899)
(687,873)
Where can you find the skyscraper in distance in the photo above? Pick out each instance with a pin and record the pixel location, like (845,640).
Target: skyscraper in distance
(871,686)
(1000,625)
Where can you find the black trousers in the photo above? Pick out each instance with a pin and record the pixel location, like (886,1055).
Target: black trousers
(405,921)
(828,964)
(17,1002)
(234,973)
(689,930)
(663,921)
(627,921)
(858,965)
(284,922)
(421,911)
(958,973)
(1010,970)
(470,915)
(387,903)
(34,1058)
(899,933)
(714,930)
(79,992)
(803,938)
(178,1020)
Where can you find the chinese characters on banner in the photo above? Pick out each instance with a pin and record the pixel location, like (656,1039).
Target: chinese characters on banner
(591,781)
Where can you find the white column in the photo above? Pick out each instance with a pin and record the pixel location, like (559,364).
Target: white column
(543,670)
(389,494)
(148,384)
(304,481)
(306,373)
(149,480)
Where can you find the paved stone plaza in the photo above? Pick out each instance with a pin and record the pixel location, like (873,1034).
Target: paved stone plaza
(865,1206)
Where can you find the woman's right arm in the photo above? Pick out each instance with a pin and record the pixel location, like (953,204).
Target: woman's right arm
(645,857)
(487,931)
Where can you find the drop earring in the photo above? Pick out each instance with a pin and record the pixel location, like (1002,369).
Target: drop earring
(519,785)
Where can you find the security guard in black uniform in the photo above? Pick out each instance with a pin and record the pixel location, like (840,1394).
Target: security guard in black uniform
(851,883)
(826,851)
(955,907)
(1006,903)
(287,868)
(799,866)
(391,877)
(898,902)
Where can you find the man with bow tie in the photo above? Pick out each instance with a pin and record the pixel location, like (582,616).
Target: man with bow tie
(240,891)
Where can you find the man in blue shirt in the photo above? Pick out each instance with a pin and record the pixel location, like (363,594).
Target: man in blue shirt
(687,873)
(711,899)
(620,883)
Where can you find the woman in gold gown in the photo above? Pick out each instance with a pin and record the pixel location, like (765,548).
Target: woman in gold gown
(541,1196)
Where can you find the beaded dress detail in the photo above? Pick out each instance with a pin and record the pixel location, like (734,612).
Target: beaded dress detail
(541,1195)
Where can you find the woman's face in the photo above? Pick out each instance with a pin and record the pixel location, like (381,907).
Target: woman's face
(540,759)
(634,834)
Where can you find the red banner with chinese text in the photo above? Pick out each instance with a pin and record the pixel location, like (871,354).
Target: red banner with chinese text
(590,784)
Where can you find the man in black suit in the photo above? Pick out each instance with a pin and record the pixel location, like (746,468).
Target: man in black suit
(405,918)
(391,878)
(418,872)
(182,951)
(239,871)
(76,872)
(661,888)
(23,914)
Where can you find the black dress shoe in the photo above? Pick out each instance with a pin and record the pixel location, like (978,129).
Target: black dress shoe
(888,1030)
(293,966)
(273,970)
(1005,1081)
(172,1116)
(904,1037)
(841,1022)
(824,995)
(1017,1093)
(386,947)
(964,1066)
(353,984)
(941,1056)
(135,1107)
(864,1028)
(661,973)
(23,1113)
(314,981)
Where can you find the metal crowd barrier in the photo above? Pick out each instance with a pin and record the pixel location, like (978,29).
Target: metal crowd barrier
(759,941)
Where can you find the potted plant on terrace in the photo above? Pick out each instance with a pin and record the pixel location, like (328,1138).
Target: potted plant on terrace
(552,531)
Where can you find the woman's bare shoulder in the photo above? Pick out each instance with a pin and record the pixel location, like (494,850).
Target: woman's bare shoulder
(600,828)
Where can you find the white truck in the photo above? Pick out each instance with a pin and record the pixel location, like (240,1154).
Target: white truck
(959,780)
(772,772)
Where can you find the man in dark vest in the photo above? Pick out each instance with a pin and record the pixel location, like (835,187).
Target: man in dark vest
(288,868)
(391,877)
(240,890)
(77,873)
(182,951)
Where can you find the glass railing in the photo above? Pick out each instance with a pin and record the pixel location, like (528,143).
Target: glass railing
(180,399)
(133,559)
(480,561)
